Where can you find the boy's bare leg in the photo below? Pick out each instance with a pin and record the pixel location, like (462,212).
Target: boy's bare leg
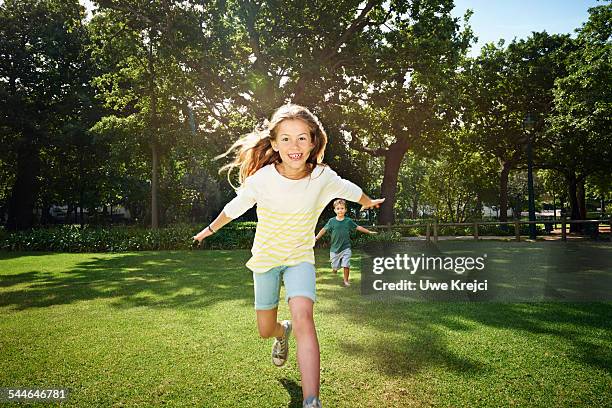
(307,344)
(346,275)
(267,324)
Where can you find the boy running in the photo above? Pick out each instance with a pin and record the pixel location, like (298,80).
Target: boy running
(341,228)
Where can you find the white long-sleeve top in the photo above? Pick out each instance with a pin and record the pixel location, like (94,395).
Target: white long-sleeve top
(287,213)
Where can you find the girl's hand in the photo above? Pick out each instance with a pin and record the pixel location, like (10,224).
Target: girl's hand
(201,235)
(372,204)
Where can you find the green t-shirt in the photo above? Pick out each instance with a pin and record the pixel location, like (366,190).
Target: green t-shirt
(340,233)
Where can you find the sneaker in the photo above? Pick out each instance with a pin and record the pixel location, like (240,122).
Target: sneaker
(312,402)
(280,348)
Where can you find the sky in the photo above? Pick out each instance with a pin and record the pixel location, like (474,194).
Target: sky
(509,19)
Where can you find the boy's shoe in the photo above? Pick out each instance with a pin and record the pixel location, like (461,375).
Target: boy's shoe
(312,402)
(280,348)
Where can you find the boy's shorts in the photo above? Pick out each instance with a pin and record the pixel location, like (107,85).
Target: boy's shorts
(299,281)
(341,259)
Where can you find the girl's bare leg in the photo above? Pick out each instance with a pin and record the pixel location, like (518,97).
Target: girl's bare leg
(307,344)
(267,324)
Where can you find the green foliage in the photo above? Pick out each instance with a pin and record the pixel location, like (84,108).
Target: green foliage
(180,81)
(553,184)
(502,86)
(72,238)
(382,236)
(483,230)
(412,185)
(358,239)
(46,105)
(458,182)
(580,127)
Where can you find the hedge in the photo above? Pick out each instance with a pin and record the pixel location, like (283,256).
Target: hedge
(73,238)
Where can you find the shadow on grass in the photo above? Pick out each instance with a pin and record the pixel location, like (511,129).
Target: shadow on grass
(413,336)
(406,337)
(177,279)
(294,391)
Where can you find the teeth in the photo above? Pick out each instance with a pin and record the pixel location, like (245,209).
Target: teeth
(295,155)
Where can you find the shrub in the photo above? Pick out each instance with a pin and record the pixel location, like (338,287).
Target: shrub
(73,238)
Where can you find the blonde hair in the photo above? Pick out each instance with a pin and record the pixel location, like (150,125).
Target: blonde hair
(339,201)
(254,150)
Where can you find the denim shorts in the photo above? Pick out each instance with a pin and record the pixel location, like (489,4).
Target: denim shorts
(341,259)
(299,280)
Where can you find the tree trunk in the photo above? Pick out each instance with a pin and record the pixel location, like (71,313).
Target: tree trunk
(2,214)
(479,206)
(154,186)
(573,201)
(581,197)
(25,190)
(503,192)
(45,218)
(81,192)
(82,215)
(393,161)
(153,141)
(562,205)
(415,207)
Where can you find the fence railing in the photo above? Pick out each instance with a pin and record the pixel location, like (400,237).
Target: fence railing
(432,228)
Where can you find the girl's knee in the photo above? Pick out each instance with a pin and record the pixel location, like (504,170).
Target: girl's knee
(302,320)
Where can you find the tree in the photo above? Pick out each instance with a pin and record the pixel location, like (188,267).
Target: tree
(140,49)
(580,128)
(411,179)
(43,71)
(272,54)
(506,85)
(554,186)
(400,95)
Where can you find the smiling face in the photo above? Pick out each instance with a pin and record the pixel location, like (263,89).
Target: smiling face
(294,144)
(340,210)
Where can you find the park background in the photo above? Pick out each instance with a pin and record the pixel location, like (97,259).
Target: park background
(120,110)
(111,115)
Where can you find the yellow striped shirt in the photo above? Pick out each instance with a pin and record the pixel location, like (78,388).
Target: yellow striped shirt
(287,213)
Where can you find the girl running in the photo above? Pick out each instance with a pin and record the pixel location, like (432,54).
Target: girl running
(281,170)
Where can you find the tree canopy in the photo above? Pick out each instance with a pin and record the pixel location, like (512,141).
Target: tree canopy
(130,106)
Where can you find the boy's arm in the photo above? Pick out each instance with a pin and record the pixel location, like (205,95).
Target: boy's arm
(320,234)
(365,230)
(213,227)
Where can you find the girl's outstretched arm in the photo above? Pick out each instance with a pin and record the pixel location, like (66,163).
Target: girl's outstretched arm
(365,230)
(213,227)
(245,199)
(366,202)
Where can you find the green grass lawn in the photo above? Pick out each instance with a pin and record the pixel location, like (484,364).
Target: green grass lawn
(178,328)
